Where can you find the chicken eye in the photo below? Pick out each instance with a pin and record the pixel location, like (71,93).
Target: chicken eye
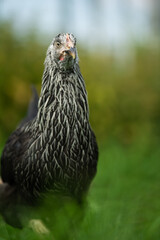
(58,44)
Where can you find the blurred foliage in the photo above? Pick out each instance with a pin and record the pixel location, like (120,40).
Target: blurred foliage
(124,97)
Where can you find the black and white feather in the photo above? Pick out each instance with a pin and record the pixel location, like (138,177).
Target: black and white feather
(56,149)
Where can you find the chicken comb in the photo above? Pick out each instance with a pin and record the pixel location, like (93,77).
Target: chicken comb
(67,37)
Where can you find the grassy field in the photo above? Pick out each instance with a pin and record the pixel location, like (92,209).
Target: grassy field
(123,202)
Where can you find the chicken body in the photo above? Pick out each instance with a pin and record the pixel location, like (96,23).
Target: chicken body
(56,150)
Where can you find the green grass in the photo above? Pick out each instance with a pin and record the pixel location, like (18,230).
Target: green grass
(123,202)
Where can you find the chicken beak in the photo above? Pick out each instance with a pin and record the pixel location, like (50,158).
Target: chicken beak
(72,52)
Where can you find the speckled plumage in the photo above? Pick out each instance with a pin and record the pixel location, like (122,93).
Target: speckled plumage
(56,150)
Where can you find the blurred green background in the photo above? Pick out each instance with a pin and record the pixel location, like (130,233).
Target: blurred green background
(123,84)
(124,96)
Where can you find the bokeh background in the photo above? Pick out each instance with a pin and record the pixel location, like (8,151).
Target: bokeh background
(118,43)
(119,51)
